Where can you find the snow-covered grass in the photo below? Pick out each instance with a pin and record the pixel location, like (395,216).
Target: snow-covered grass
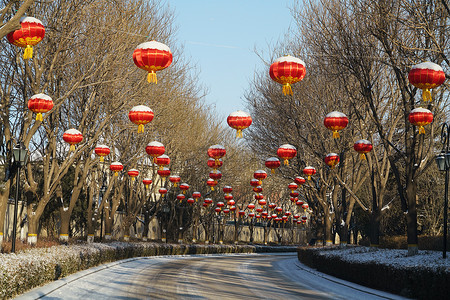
(391,257)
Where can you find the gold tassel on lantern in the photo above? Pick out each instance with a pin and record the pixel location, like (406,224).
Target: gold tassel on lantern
(426,95)
(362,156)
(239,133)
(286,162)
(39,117)
(272,171)
(132,178)
(287,90)
(309,177)
(116,173)
(212,188)
(28,53)
(141,128)
(102,159)
(335,134)
(72,148)
(151,77)
(421,130)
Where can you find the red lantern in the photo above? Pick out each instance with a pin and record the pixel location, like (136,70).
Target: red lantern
(163,173)
(190,201)
(251,206)
(426,76)
(211,183)
(228,197)
(278,209)
(215,175)
(259,196)
(309,171)
(299,203)
(102,151)
(288,213)
(274,216)
(181,197)
(335,121)
(147,182)
(133,173)
(152,56)
(162,191)
(226,211)
(208,200)
(294,193)
(196,195)
(293,199)
(241,213)
(293,186)
(332,159)
(72,137)
(141,115)
(258,189)
(287,70)
(299,180)
(220,204)
(264,214)
(39,104)
(284,218)
(116,167)
(227,189)
(272,163)
(239,120)
(254,182)
(231,202)
(286,152)
(305,206)
(162,161)
(155,149)
(262,202)
(205,204)
(272,205)
(174,179)
(258,216)
(260,175)
(184,187)
(212,163)
(217,209)
(31,32)
(362,147)
(296,216)
(420,117)
(251,214)
(216,152)
(259,210)
(304,218)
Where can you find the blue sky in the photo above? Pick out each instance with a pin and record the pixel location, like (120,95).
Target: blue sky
(219,37)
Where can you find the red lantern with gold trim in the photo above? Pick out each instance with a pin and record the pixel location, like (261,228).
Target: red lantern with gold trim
(286,152)
(116,167)
(31,32)
(420,117)
(181,197)
(39,104)
(251,206)
(163,173)
(262,202)
(211,183)
(102,151)
(72,137)
(214,164)
(254,182)
(190,201)
(241,213)
(335,121)
(208,200)
(258,189)
(294,193)
(239,120)
(287,70)
(292,186)
(332,159)
(299,180)
(251,214)
(147,182)
(272,163)
(175,179)
(152,56)
(426,76)
(155,149)
(215,175)
(227,189)
(133,173)
(184,187)
(362,147)
(216,152)
(162,161)
(309,171)
(260,175)
(141,115)
(162,192)
(196,195)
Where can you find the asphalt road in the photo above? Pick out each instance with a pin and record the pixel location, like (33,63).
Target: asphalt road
(262,276)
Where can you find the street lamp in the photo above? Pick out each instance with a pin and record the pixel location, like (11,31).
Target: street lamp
(443,163)
(20,154)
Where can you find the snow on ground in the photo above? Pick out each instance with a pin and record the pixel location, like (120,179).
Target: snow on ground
(393,257)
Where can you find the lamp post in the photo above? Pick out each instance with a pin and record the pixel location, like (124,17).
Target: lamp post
(20,154)
(443,163)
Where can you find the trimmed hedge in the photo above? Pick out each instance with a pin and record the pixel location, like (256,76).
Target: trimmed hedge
(415,282)
(35,267)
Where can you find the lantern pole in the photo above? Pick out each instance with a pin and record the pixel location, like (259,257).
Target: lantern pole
(443,162)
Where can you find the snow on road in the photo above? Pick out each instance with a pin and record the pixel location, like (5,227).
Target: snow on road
(238,276)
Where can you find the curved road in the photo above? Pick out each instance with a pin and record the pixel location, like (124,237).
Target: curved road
(263,276)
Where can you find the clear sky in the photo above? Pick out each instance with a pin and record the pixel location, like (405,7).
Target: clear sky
(220,35)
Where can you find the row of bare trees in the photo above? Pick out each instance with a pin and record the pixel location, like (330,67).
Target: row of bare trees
(358,54)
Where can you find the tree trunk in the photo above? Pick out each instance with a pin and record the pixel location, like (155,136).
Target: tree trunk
(33,223)
(65,214)
(108,224)
(411,218)
(327,230)
(251,228)
(4,195)
(375,219)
